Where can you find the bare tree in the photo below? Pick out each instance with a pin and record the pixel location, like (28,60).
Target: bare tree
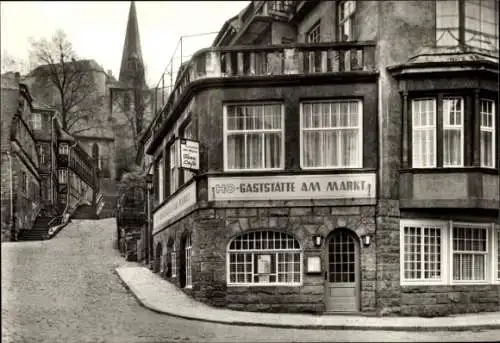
(59,69)
(13,64)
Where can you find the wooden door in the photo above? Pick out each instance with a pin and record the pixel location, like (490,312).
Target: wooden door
(342,278)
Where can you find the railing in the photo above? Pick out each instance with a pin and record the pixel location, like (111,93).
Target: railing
(251,61)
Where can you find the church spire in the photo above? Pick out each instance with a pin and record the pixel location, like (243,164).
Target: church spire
(132,55)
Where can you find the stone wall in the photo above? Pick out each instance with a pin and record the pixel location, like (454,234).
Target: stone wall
(212,229)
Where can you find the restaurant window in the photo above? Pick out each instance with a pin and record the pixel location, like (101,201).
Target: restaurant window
(448,252)
(471,23)
(346,10)
(331,134)
(427,134)
(188,254)
(254,137)
(173,166)
(314,34)
(487,133)
(188,132)
(264,258)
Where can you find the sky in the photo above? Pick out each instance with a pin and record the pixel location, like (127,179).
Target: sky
(97,29)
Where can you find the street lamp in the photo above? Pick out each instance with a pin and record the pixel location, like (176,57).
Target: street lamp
(148,236)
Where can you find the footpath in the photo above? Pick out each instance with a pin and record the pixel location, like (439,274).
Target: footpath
(161,296)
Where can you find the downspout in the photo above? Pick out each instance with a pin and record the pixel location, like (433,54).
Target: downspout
(12,222)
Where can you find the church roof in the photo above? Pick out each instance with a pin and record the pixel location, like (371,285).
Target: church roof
(132,44)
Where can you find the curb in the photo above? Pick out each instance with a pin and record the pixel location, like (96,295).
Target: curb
(310,327)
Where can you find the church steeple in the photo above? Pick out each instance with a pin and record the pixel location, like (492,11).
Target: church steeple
(132,67)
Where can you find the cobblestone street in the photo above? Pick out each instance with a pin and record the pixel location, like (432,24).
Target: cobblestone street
(65,290)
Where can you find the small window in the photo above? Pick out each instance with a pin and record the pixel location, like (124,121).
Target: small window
(37,121)
(63,149)
(346,11)
(62,173)
(264,258)
(487,133)
(314,34)
(173,259)
(189,276)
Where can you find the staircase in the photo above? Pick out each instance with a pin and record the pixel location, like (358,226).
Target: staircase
(39,232)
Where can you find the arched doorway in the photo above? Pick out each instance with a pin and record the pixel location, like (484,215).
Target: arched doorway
(342,284)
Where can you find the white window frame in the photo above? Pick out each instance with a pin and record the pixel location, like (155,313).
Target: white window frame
(454,127)
(63,148)
(487,254)
(173,153)
(347,16)
(488,129)
(37,121)
(161,178)
(226,131)
(446,226)
(173,263)
(256,252)
(423,128)
(314,34)
(62,176)
(188,248)
(359,163)
(422,224)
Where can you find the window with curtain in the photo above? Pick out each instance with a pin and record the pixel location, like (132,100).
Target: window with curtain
(453,132)
(173,262)
(174,167)
(424,133)
(448,252)
(487,128)
(470,250)
(332,134)
(188,132)
(161,178)
(37,121)
(264,257)
(346,10)
(254,137)
(187,250)
(62,175)
(422,252)
(480,23)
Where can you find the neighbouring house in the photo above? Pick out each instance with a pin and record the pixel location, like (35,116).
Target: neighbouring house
(20,176)
(348,161)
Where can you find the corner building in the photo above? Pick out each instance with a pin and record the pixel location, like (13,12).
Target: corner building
(348,160)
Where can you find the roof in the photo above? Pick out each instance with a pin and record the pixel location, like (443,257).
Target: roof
(86,64)
(131,45)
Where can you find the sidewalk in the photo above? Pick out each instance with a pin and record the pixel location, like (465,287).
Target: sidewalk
(161,296)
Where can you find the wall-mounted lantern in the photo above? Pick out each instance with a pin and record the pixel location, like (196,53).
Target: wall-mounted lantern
(367,239)
(317,240)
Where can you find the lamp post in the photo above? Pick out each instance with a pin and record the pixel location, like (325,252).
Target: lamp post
(149,184)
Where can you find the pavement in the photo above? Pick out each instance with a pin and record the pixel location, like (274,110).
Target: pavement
(161,296)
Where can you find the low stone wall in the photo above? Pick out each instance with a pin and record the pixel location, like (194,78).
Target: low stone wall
(444,300)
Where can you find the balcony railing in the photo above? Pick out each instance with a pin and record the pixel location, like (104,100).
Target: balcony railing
(267,61)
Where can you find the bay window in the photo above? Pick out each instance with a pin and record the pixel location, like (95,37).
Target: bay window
(253,137)
(448,252)
(331,134)
(439,135)
(471,23)
(264,258)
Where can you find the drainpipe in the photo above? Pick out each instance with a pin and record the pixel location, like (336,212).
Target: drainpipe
(12,223)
